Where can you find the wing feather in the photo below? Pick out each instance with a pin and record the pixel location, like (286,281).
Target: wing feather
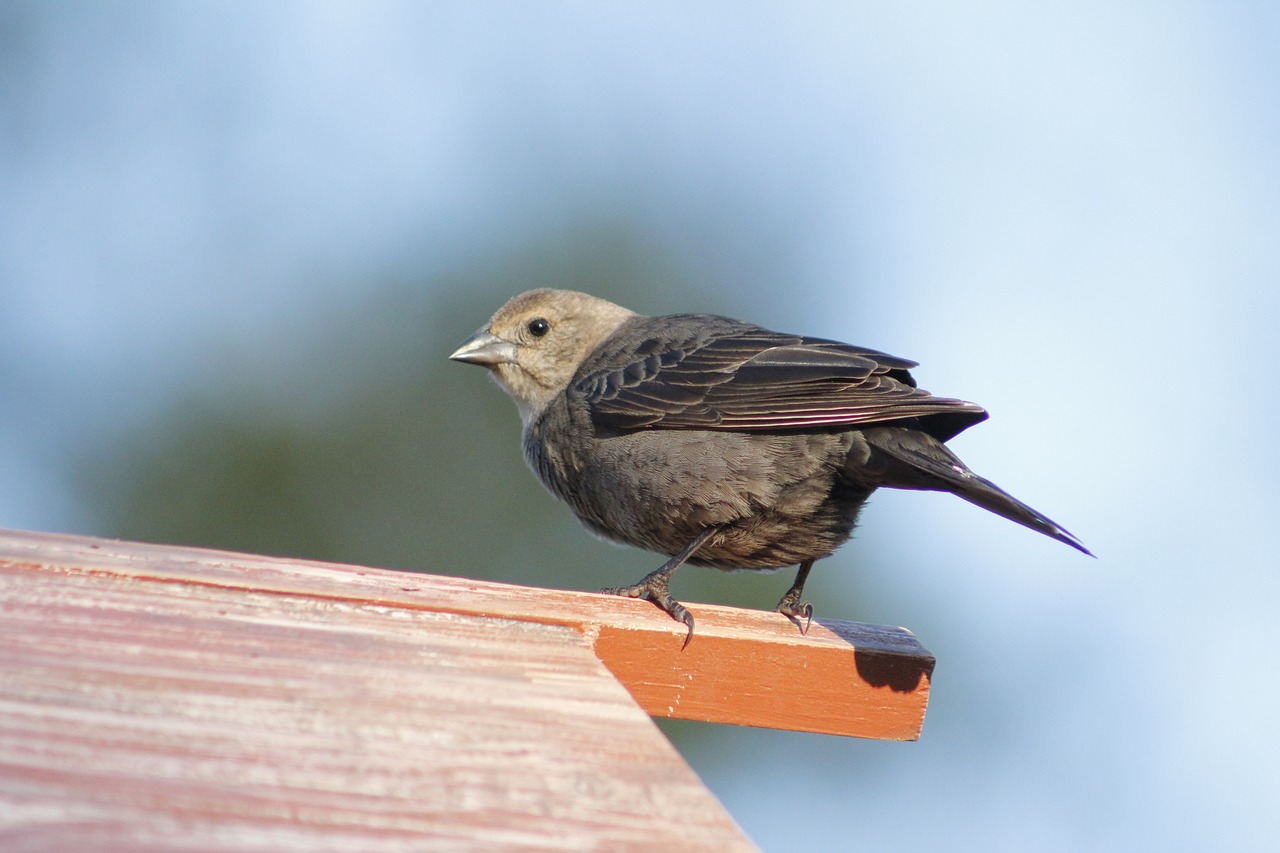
(707,372)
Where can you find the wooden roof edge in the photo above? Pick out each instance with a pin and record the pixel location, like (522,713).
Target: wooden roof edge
(743,667)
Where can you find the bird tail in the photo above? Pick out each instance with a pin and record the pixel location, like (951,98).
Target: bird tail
(911,459)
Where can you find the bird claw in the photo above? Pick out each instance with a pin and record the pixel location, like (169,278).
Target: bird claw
(796,610)
(792,607)
(654,588)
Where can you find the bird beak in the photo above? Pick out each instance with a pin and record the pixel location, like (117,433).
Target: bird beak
(485,348)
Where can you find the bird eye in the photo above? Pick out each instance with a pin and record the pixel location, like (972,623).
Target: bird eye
(538,327)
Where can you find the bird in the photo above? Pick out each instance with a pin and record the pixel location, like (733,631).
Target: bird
(718,442)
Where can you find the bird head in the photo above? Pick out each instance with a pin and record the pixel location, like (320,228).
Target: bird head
(534,344)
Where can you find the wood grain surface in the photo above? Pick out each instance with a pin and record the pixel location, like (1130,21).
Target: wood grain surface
(154,697)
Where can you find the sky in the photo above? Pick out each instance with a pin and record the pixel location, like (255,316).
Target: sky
(1066,212)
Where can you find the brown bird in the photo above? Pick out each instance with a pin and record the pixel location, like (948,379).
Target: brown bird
(718,442)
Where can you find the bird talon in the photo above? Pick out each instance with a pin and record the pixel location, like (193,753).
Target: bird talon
(633,591)
(792,607)
(656,586)
(796,612)
(688,620)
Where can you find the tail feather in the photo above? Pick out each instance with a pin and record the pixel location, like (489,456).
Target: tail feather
(986,494)
(911,459)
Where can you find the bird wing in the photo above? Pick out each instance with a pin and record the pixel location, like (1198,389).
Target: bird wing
(725,375)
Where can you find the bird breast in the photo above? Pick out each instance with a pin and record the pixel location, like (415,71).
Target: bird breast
(777,497)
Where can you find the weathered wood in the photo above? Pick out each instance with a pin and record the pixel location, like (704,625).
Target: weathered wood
(743,667)
(158,698)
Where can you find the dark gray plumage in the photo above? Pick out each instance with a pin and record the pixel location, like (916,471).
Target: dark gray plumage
(719,442)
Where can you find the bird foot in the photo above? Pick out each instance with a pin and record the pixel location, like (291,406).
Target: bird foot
(791,605)
(794,609)
(654,588)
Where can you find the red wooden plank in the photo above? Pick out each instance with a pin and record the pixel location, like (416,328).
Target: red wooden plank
(177,715)
(744,667)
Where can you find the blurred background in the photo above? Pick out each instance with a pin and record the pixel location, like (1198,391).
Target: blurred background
(239,240)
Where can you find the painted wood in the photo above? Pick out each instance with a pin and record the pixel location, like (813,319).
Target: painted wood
(179,697)
(137,715)
(744,667)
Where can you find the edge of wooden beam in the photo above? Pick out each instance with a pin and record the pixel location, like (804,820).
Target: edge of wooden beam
(743,667)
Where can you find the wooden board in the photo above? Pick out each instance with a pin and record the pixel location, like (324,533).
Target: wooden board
(745,667)
(156,697)
(137,715)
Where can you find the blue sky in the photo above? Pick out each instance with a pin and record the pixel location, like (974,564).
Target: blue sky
(1066,212)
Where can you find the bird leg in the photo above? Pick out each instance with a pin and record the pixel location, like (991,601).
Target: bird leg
(655,586)
(791,606)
